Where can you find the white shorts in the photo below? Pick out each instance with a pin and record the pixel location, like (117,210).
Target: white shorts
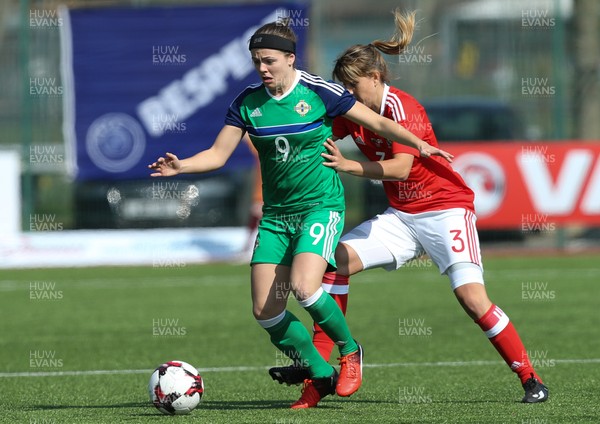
(393,238)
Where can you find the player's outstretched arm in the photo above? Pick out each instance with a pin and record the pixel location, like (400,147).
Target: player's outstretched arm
(207,160)
(397,168)
(391,130)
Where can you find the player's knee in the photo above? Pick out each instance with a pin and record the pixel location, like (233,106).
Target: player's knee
(347,260)
(303,288)
(468,286)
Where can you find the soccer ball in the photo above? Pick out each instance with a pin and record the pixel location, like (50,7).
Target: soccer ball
(175,388)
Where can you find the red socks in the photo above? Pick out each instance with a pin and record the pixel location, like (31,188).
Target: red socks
(494,323)
(506,340)
(337,286)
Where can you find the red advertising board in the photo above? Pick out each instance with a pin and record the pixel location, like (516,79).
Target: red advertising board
(531,186)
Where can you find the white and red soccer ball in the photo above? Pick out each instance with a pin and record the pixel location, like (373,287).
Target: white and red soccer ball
(176,388)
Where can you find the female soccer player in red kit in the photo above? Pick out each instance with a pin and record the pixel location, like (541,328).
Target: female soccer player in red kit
(431,208)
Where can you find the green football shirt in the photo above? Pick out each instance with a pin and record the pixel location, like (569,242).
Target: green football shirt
(288,132)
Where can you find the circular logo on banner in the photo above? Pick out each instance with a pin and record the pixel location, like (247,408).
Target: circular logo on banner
(115,142)
(485,176)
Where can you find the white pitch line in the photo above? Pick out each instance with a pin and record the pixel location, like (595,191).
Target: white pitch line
(261,368)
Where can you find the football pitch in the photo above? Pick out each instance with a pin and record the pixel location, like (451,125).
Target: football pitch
(79,345)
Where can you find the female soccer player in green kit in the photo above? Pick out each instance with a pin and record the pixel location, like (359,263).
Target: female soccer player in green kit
(430,209)
(288,118)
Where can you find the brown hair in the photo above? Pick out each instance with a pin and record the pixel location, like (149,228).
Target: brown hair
(281,28)
(364,60)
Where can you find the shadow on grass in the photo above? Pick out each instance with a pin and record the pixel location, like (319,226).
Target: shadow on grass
(458,402)
(208,405)
(333,403)
(106,406)
(227,405)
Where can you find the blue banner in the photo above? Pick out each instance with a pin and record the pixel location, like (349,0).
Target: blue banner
(143,81)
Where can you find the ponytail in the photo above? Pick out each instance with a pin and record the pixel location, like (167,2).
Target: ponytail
(366,60)
(405,27)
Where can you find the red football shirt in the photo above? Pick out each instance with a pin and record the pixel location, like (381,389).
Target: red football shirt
(432,184)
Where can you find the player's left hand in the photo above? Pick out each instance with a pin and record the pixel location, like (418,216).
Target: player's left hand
(426,150)
(335,159)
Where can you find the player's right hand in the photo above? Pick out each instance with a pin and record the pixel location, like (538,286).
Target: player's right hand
(166,167)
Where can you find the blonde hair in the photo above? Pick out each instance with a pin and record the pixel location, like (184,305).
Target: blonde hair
(364,60)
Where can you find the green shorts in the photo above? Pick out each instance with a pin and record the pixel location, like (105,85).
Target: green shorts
(282,236)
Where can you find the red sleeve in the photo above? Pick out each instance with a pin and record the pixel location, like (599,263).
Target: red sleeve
(339,128)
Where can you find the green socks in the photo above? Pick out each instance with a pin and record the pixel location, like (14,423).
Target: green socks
(291,337)
(326,312)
